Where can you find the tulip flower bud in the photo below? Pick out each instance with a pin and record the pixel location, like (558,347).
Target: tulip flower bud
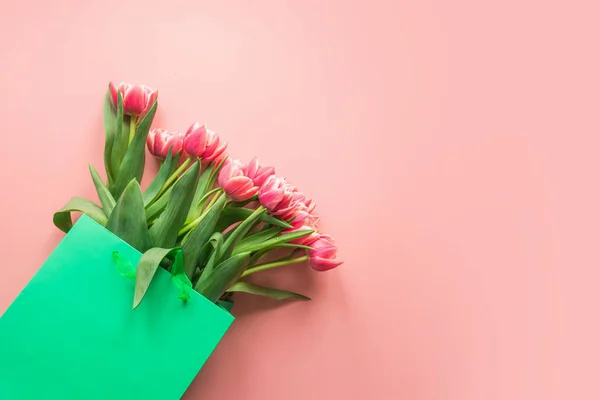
(235,183)
(292,200)
(137,99)
(322,257)
(160,141)
(271,192)
(203,143)
(257,173)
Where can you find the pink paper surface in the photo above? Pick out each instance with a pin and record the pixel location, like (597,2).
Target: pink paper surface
(452,147)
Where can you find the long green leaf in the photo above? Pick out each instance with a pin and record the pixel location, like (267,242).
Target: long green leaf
(121,138)
(166,169)
(146,268)
(231,215)
(132,166)
(62,218)
(213,257)
(258,237)
(205,186)
(106,199)
(238,233)
(211,247)
(275,242)
(290,246)
(200,204)
(109,120)
(201,189)
(128,220)
(200,235)
(222,277)
(273,293)
(165,229)
(154,209)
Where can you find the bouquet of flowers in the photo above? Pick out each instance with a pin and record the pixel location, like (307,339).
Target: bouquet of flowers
(176,252)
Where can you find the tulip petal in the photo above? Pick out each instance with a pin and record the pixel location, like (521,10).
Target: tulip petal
(243,196)
(323,264)
(220,149)
(237,184)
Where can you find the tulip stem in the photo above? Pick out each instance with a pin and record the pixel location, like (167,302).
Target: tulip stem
(275,264)
(172,178)
(213,200)
(131,129)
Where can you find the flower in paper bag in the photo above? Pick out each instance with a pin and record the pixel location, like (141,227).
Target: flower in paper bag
(203,143)
(322,257)
(161,140)
(137,99)
(235,183)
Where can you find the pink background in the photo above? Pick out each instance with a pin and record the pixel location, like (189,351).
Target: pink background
(451,146)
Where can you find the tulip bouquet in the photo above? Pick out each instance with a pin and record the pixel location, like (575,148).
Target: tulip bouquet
(188,241)
(224,216)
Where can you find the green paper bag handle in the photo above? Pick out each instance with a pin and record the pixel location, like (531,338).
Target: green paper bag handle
(180,279)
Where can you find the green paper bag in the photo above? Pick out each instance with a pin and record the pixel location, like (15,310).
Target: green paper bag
(71,333)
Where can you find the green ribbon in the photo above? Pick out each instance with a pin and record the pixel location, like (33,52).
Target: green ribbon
(178,276)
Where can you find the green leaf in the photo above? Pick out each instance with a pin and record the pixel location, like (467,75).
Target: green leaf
(106,199)
(213,257)
(231,215)
(238,233)
(226,304)
(166,169)
(154,209)
(124,266)
(252,288)
(132,166)
(109,119)
(290,246)
(275,242)
(165,230)
(211,247)
(62,218)
(258,238)
(146,268)
(199,195)
(200,235)
(223,276)
(200,204)
(121,138)
(128,221)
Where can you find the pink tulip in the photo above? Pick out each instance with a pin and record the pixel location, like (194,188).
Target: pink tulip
(257,173)
(300,226)
(203,143)
(322,257)
(137,99)
(310,205)
(160,141)
(292,200)
(285,200)
(271,192)
(235,183)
